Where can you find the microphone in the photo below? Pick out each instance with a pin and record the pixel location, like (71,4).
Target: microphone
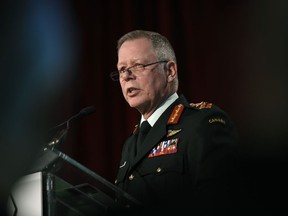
(85,111)
(62,133)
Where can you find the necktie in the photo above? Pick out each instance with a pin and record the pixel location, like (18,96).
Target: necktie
(143,131)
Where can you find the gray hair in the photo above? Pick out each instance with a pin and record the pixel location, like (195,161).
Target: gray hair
(161,45)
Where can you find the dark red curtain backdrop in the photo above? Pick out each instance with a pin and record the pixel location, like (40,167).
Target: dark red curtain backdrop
(208,38)
(56,56)
(231,53)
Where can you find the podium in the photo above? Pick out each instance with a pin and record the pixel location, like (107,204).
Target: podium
(58,185)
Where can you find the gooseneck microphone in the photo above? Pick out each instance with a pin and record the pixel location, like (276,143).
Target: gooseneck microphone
(85,111)
(62,133)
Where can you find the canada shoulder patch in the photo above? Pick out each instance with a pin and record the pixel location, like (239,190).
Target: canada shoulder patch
(202,105)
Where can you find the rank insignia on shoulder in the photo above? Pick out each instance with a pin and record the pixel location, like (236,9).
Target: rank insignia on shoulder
(217,120)
(164,148)
(172,132)
(201,105)
(175,116)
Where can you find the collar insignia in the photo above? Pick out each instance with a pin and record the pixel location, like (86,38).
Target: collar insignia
(135,129)
(177,112)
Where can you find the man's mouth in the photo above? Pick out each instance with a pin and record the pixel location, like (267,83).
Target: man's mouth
(132,91)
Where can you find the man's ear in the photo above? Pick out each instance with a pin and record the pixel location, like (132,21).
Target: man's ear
(171,70)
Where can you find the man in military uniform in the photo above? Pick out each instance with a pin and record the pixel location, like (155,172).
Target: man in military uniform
(186,161)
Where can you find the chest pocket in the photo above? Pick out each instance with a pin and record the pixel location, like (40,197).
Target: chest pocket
(162,165)
(163,174)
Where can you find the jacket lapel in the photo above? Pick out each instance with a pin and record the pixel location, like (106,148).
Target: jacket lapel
(158,131)
(153,137)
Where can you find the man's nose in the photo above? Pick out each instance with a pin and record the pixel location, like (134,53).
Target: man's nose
(127,74)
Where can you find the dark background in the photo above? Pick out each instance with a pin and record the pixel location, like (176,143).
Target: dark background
(57,56)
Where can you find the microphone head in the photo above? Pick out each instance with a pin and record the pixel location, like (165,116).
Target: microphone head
(84,111)
(87,110)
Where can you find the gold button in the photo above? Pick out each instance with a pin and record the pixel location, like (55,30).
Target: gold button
(158,169)
(131,177)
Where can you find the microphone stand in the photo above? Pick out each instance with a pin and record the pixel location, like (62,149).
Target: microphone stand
(62,134)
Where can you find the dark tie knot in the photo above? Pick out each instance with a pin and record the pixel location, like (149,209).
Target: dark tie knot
(143,131)
(144,128)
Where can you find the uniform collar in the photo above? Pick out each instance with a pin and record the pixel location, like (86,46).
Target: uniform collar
(161,109)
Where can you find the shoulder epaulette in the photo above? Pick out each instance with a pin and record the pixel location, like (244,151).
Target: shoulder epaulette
(202,105)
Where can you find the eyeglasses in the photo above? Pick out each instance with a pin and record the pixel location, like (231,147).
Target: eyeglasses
(135,69)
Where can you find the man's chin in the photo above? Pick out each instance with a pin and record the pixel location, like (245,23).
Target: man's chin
(134,103)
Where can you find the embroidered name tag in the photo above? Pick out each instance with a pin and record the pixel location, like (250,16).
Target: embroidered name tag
(164,147)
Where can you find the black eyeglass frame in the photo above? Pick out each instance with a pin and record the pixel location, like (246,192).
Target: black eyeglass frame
(115,75)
